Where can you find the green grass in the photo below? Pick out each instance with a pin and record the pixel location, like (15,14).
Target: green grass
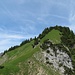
(20,54)
(54,36)
(25,52)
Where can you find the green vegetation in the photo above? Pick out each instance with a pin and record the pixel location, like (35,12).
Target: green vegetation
(53,35)
(1,67)
(20,59)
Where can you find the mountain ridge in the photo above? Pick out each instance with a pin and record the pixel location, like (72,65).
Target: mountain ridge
(32,54)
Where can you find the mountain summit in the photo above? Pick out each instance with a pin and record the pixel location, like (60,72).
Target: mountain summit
(51,53)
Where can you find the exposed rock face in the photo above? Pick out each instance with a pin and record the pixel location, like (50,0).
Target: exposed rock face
(57,57)
(1,54)
(3,59)
(62,59)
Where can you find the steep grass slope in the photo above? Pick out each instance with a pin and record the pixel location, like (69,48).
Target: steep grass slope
(21,61)
(54,36)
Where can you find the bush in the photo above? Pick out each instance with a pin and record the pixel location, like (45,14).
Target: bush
(1,67)
(48,51)
(24,42)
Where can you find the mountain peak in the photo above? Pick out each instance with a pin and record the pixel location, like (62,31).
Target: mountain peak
(51,53)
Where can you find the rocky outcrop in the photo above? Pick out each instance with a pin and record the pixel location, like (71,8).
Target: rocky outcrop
(57,57)
(62,59)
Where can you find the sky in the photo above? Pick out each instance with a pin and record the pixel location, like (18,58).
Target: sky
(23,19)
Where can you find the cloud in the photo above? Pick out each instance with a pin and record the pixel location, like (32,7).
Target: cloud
(14,36)
(51,15)
(22,19)
(72,17)
(8,40)
(7,12)
(7,43)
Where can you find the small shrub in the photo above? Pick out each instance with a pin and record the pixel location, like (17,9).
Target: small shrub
(48,51)
(47,58)
(60,64)
(1,67)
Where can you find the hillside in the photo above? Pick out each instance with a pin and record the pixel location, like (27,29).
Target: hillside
(51,53)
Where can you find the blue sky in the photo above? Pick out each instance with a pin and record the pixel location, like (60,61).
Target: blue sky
(22,19)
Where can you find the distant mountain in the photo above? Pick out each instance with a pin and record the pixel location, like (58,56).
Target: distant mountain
(51,53)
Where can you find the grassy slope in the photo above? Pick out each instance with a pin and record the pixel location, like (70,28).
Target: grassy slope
(24,53)
(54,36)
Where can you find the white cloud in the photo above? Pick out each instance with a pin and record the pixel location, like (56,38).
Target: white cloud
(54,15)
(12,36)
(4,42)
(72,27)
(8,40)
(72,18)
(7,43)
(27,15)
